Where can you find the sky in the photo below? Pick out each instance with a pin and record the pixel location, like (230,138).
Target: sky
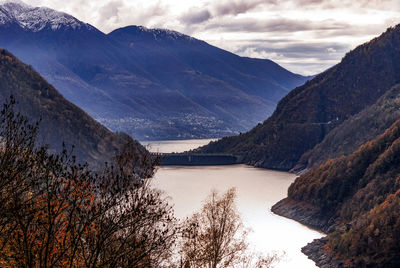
(304,36)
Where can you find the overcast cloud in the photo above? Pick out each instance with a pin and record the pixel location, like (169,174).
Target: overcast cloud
(304,36)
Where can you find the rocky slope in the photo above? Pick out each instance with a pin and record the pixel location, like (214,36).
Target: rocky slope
(323,258)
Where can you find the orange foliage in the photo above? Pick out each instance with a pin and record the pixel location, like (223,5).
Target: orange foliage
(49,234)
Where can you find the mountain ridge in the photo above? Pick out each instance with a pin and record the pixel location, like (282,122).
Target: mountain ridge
(308,113)
(159,79)
(355,199)
(61,121)
(352,133)
(350,188)
(37,18)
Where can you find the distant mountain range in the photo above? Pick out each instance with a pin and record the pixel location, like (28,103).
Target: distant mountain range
(151,83)
(61,121)
(325,111)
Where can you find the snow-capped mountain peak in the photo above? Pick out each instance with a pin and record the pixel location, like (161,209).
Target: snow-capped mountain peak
(159,33)
(37,18)
(20,2)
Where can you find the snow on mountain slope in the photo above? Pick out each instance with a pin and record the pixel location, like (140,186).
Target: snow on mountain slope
(151,83)
(37,18)
(161,34)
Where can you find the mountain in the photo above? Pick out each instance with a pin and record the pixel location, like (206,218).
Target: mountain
(151,83)
(308,113)
(357,130)
(61,121)
(356,199)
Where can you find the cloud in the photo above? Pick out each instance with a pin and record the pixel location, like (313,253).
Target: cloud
(235,7)
(118,13)
(294,33)
(195,16)
(110,11)
(316,58)
(275,25)
(218,9)
(376,4)
(294,50)
(331,50)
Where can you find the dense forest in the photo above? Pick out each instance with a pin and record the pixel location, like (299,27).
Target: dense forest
(358,129)
(358,195)
(350,182)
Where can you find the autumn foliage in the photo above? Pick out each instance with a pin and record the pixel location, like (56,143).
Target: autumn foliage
(55,212)
(359,193)
(373,239)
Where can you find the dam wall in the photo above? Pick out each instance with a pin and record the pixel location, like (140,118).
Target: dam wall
(187,159)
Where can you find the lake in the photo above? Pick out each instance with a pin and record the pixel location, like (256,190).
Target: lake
(257,190)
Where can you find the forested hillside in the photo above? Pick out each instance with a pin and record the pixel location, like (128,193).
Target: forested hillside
(60,120)
(357,199)
(308,113)
(358,129)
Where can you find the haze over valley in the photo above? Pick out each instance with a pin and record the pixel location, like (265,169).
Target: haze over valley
(151,83)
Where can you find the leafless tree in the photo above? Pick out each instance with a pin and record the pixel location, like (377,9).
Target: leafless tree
(215,237)
(259,260)
(55,212)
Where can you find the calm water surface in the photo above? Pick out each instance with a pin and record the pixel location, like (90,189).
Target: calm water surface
(257,190)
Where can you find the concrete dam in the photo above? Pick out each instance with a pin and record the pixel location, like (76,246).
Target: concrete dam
(190,159)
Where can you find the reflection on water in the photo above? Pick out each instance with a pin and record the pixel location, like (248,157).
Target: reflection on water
(257,189)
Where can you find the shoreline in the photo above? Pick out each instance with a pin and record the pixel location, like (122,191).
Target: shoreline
(307,215)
